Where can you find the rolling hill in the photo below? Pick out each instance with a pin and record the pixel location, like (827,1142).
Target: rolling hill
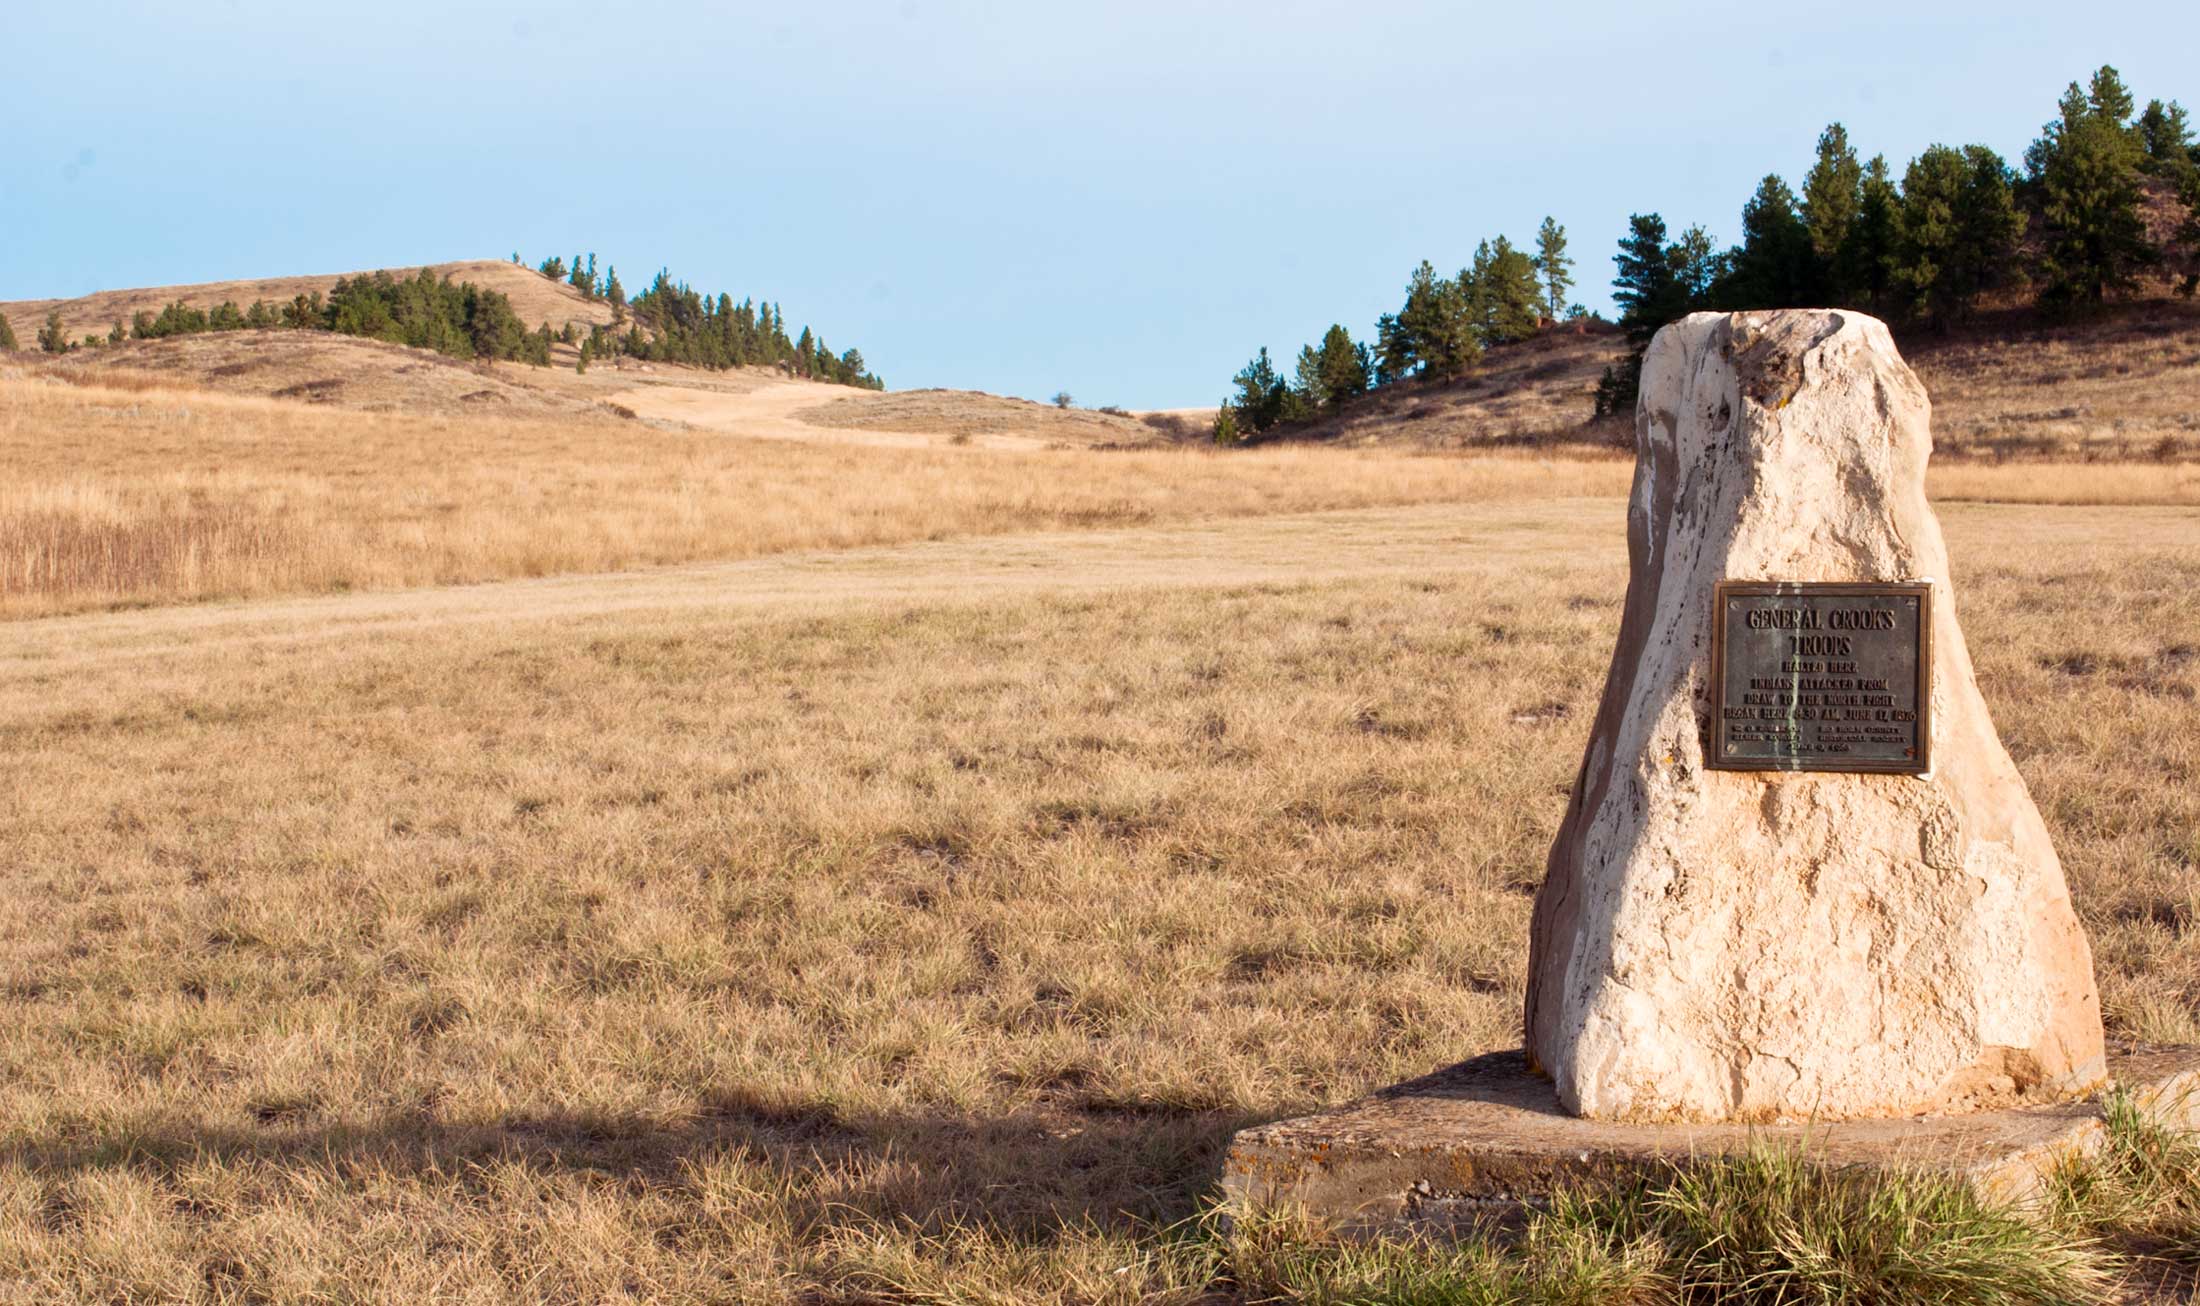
(535,298)
(2121,386)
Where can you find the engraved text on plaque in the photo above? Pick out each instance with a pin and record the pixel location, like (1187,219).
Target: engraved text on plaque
(1821,677)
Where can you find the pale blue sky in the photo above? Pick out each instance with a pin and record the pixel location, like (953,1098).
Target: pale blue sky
(1121,200)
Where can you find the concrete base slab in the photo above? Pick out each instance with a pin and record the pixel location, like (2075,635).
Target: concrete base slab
(1486,1137)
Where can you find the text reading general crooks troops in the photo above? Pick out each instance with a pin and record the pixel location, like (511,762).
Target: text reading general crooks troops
(1823,677)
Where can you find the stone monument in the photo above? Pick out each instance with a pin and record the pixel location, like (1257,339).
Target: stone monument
(1799,888)
(1818,889)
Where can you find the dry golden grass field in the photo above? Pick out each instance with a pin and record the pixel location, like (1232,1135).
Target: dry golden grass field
(877,923)
(121,489)
(507,851)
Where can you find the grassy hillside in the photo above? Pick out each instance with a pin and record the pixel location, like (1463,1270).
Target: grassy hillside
(2121,386)
(321,368)
(1533,393)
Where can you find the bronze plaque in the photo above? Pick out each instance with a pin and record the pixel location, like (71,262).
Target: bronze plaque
(1821,677)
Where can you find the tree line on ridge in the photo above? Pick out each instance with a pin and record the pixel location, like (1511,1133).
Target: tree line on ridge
(2067,232)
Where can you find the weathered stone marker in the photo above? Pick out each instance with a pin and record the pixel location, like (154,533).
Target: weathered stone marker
(1799,891)
(1751,911)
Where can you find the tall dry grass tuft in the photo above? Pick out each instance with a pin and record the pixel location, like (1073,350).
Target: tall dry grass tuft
(2142,1188)
(1768,1226)
(89,542)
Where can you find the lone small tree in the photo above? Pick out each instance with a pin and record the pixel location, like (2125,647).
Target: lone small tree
(1554,267)
(53,337)
(7,336)
(1263,397)
(1062,399)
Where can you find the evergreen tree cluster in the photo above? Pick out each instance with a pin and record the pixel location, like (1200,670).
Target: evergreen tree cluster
(427,312)
(672,323)
(1961,223)
(462,320)
(1440,330)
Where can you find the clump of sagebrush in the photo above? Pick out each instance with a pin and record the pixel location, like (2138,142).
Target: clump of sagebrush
(2143,1186)
(1767,1226)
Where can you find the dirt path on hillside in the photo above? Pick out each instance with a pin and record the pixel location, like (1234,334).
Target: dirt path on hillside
(1581,537)
(767,411)
(1246,551)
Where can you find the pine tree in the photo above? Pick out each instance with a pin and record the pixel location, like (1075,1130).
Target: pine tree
(1393,351)
(1862,268)
(1341,365)
(553,268)
(1554,267)
(1698,267)
(53,337)
(1645,288)
(1775,267)
(2108,98)
(1306,379)
(1438,335)
(1226,426)
(2165,139)
(1471,289)
(1650,290)
(1262,397)
(117,333)
(2070,110)
(1833,196)
(2086,169)
(1507,301)
(8,344)
(1957,228)
(1420,324)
